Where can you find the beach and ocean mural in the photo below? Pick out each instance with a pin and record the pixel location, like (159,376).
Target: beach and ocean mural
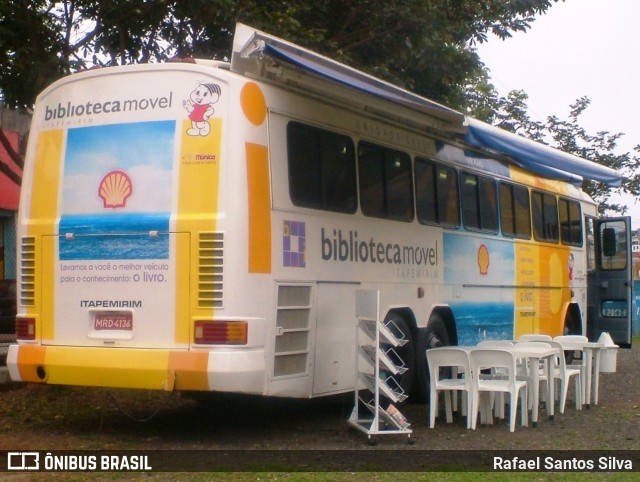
(108,173)
(110,237)
(483,268)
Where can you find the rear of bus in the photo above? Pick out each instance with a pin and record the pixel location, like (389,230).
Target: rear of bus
(119,244)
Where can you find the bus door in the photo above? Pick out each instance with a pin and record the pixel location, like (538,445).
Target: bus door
(609,279)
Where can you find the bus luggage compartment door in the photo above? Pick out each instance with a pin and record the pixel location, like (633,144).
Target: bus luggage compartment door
(335,345)
(127,296)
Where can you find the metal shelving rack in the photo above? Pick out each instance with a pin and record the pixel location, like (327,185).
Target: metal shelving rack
(374,411)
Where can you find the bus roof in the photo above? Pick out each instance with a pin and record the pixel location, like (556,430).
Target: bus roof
(248,42)
(251,45)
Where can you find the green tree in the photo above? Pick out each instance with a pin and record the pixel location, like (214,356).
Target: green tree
(31,53)
(510,113)
(601,147)
(424,45)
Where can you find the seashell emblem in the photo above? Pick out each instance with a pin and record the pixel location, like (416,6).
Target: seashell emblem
(114,189)
(483,259)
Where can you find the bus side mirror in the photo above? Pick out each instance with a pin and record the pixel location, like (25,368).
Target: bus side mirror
(609,242)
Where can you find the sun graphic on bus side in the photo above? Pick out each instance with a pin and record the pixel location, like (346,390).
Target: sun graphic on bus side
(114,189)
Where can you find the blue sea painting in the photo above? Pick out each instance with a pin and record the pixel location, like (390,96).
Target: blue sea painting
(483,321)
(114,236)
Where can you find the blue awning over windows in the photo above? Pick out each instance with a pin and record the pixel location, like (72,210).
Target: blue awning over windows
(251,46)
(342,74)
(536,157)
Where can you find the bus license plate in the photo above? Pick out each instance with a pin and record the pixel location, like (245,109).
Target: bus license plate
(113,321)
(614,309)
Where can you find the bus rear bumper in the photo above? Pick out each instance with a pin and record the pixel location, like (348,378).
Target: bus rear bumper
(155,369)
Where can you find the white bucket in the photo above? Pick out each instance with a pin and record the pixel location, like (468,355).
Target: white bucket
(608,354)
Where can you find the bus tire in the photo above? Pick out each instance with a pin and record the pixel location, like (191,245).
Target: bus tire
(406,352)
(434,335)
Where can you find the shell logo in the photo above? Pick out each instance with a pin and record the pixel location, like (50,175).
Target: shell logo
(114,189)
(483,259)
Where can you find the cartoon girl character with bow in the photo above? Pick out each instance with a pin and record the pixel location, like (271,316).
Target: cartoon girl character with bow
(200,107)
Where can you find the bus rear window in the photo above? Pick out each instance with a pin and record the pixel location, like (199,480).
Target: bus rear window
(386,189)
(322,169)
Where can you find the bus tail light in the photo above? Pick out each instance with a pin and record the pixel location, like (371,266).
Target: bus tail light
(25,328)
(219,332)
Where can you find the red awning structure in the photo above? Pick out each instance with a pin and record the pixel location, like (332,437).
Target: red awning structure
(9,190)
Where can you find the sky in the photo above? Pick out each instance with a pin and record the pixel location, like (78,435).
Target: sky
(578,48)
(149,165)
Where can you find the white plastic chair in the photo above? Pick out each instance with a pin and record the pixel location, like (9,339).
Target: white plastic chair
(458,360)
(495,343)
(572,338)
(572,361)
(534,337)
(561,338)
(564,373)
(499,402)
(505,361)
(524,371)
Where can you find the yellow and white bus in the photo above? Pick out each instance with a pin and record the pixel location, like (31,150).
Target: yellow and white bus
(201,225)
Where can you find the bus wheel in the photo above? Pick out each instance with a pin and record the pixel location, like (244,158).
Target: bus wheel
(433,336)
(406,352)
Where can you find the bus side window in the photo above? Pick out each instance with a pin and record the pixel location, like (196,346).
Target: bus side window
(591,246)
(322,169)
(448,198)
(522,209)
(570,222)
(515,213)
(488,204)
(386,189)
(436,193)
(479,203)
(545,217)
